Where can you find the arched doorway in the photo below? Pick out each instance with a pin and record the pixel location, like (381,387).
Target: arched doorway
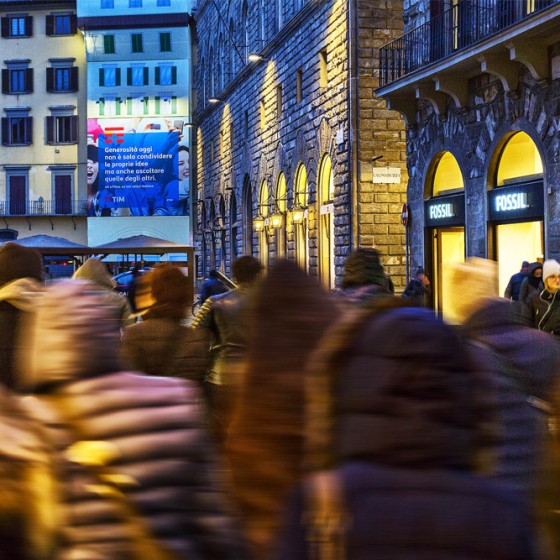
(299,218)
(326,223)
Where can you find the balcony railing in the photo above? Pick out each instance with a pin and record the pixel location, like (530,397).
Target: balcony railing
(43,208)
(463,25)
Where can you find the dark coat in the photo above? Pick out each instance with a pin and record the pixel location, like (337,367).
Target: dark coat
(520,362)
(211,287)
(514,286)
(403,427)
(531,284)
(543,311)
(161,346)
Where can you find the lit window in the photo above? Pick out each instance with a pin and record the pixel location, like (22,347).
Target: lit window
(323,78)
(165,42)
(137,46)
(109,44)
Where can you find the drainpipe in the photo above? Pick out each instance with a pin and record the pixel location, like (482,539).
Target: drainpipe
(354,120)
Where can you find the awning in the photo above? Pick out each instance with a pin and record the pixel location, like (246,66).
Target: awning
(49,245)
(141,244)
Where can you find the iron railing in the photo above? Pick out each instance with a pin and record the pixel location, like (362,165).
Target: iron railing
(463,25)
(43,207)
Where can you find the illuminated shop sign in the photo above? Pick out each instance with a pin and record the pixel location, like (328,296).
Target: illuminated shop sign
(516,202)
(445,211)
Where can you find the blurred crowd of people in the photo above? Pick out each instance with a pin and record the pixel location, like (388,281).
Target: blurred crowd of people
(285,422)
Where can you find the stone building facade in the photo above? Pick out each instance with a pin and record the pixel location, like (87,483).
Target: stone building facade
(289,130)
(481,102)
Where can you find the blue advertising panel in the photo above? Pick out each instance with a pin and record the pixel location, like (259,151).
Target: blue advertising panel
(142,172)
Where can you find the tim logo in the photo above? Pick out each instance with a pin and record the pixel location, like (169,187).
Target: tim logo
(114,134)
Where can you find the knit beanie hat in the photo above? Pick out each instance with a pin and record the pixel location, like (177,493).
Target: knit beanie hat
(550,267)
(362,267)
(17,261)
(470,283)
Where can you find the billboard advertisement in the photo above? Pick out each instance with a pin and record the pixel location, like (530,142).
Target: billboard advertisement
(138,167)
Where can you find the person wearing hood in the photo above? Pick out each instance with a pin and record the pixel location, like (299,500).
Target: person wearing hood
(391,438)
(364,278)
(161,344)
(543,309)
(21,276)
(95,272)
(512,291)
(532,284)
(137,470)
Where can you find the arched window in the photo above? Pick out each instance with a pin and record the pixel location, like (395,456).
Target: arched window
(219,64)
(247,216)
(326,223)
(221,234)
(299,218)
(245,32)
(264,208)
(281,205)
(519,161)
(233,227)
(212,77)
(262,21)
(447,175)
(231,50)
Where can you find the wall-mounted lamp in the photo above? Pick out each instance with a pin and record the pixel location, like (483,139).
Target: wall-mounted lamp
(298,213)
(276,218)
(213,100)
(255,57)
(258,223)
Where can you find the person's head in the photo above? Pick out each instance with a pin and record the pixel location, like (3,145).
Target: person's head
(95,271)
(472,283)
(551,275)
(78,331)
(363,267)
(170,291)
(213,274)
(535,269)
(184,163)
(17,261)
(246,270)
(525,267)
(92,164)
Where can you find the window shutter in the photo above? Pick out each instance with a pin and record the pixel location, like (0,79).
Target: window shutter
(28,26)
(5,26)
(5,81)
(49,25)
(129,76)
(101,77)
(74,78)
(29,130)
(157,105)
(50,80)
(174,75)
(29,80)
(129,105)
(146,76)
(157,75)
(50,130)
(73,24)
(5,136)
(117,76)
(74,129)
(174,104)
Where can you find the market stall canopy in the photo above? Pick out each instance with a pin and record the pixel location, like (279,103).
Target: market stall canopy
(49,245)
(141,244)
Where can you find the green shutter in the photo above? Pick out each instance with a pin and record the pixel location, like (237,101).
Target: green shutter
(157,103)
(101,107)
(129,105)
(174,104)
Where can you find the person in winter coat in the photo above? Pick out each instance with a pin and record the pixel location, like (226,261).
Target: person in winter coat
(264,447)
(543,310)
(364,278)
(96,273)
(226,317)
(532,284)
(418,291)
(21,276)
(391,439)
(135,463)
(513,288)
(212,286)
(521,364)
(161,344)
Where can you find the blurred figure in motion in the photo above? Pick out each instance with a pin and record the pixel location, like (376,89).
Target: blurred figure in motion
(225,316)
(21,276)
(543,309)
(95,272)
(532,284)
(418,291)
(521,365)
(392,435)
(364,278)
(160,344)
(212,286)
(135,462)
(28,521)
(264,447)
(513,289)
